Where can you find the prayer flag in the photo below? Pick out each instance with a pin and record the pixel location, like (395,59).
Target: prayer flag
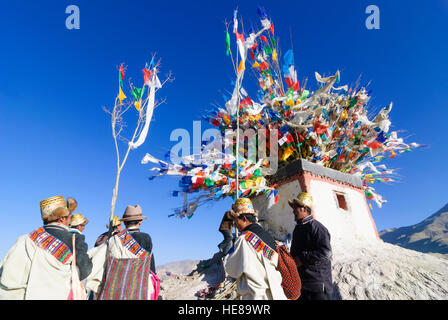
(274,54)
(146,76)
(242,66)
(121,95)
(227,43)
(121,75)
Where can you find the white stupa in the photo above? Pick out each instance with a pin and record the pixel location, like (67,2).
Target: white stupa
(339,203)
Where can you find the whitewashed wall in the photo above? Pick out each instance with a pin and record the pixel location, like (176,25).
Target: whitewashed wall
(279,219)
(344,225)
(351,225)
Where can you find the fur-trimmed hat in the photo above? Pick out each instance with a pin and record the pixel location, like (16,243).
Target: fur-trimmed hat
(303,199)
(53,208)
(243,205)
(115,222)
(78,220)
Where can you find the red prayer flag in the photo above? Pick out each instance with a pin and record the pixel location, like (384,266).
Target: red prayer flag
(246,102)
(122,72)
(264,39)
(289,82)
(252,54)
(146,75)
(272,29)
(240,36)
(200,180)
(296,86)
(289,138)
(263,66)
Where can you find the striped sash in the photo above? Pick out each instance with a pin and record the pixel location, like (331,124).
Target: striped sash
(130,244)
(259,245)
(126,279)
(51,244)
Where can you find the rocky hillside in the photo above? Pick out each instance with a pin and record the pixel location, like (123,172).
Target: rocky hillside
(430,235)
(173,269)
(383,271)
(375,271)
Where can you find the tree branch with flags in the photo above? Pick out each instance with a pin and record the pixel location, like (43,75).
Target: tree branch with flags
(144,106)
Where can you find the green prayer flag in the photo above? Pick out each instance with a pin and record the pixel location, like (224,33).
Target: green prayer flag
(290,93)
(209,182)
(305,94)
(227,42)
(353,102)
(138,93)
(267,50)
(120,79)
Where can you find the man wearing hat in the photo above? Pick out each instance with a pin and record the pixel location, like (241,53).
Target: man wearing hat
(116,227)
(130,244)
(226,228)
(38,266)
(132,219)
(311,249)
(253,259)
(78,223)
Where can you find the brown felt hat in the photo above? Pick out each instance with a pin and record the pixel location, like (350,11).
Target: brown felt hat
(133,213)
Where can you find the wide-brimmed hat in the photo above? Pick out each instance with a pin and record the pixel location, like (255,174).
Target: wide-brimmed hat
(78,220)
(53,208)
(133,213)
(115,222)
(243,205)
(303,199)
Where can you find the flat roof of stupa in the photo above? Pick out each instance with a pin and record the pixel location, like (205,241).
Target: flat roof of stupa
(300,165)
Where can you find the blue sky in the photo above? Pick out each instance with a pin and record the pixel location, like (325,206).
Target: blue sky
(56,139)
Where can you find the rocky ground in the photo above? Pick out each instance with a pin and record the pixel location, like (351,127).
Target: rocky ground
(384,271)
(379,271)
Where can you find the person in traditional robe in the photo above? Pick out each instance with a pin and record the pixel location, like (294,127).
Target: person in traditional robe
(130,243)
(39,265)
(311,250)
(116,227)
(225,228)
(253,260)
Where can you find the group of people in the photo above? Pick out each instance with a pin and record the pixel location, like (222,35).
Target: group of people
(253,259)
(41,264)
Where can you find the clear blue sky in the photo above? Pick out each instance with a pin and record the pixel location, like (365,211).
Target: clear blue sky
(56,139)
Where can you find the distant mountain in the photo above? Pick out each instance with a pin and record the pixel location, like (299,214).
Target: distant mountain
(183,267)
(428,236)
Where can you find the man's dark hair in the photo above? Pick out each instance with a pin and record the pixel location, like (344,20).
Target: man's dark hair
(249,216)
(131,223)
(308,210)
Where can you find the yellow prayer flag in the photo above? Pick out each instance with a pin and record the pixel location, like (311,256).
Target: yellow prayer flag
(121,95)
(242,66)
(137,105)
(290,102)
(255,65)
(287,153)
(274,55)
